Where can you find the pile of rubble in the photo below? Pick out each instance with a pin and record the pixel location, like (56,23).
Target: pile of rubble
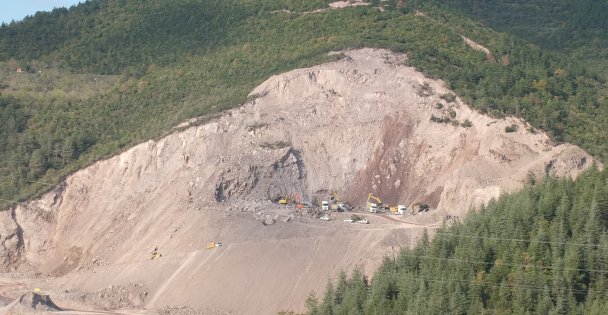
(131,296)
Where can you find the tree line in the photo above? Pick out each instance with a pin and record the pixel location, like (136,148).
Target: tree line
(543,250)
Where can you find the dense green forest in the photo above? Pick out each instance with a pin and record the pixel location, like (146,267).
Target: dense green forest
(543,250)
(148,65)
(574,27)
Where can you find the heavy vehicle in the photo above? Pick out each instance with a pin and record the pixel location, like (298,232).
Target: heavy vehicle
(373,207)
(325,205)
(337,204)
(284,200)
(399,209)
(300,201)
(297,198)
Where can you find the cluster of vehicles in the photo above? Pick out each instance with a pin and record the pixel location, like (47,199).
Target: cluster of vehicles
(374,204)
(324,208)
(335,204)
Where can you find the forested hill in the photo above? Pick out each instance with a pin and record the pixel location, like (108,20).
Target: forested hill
(105,75)
(543,250)
(114,37)
(579,28)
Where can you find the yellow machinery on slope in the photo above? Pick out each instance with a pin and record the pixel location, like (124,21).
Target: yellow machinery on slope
(212,245)
(155,254)
(373,206)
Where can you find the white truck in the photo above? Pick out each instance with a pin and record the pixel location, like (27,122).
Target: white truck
(325,205)
(373,207)
(401,209)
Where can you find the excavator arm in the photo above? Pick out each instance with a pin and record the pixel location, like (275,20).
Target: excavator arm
(372,197)
(335,197)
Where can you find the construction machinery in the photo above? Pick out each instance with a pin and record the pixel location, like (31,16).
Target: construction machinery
(155,254)
(399,209)
(373,207)
(334,197)
(212,245)
(297,198)
(335,204)
(325,205)
(300,201)
(285,200)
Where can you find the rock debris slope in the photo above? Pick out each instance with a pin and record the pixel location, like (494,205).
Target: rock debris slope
(365,123)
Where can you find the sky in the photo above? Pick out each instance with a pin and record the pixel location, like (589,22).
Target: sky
(18,9)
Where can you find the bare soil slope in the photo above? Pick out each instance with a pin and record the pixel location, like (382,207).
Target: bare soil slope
(358,125)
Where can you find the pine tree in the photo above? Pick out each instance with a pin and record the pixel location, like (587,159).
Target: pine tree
(601,199)
(312,304)
(327,307)
(37,163)
(559,289)
(341,287)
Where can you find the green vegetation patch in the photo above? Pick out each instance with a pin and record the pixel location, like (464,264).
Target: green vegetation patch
(543,250)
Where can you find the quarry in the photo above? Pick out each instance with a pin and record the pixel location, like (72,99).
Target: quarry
(224,215)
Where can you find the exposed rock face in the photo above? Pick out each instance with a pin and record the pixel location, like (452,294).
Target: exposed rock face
(364,124)
(11,241)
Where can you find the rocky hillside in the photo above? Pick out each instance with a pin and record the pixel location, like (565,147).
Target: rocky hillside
(366,123)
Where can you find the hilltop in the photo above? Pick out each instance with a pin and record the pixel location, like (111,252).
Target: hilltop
(175,60)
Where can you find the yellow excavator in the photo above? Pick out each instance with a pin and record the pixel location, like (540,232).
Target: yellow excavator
(285,200)
(373,207)
(335,202)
